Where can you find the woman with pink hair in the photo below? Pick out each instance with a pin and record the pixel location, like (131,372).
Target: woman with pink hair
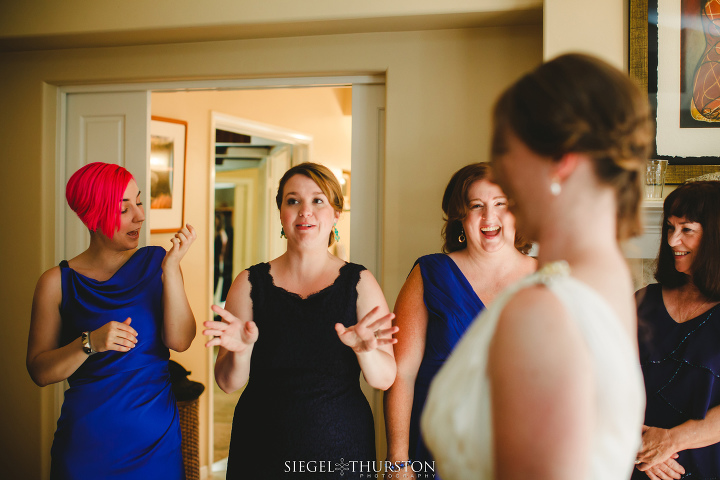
(104,321)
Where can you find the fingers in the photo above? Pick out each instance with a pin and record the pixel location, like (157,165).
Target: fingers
(664,473)
(386,332)
(678,469)
(125,326)
(340,328)
(224,314)
(183,239)
(215,342)
(186,235)
(370,317)
(116,336)
(385,319)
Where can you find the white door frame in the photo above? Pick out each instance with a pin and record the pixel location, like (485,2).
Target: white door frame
(371,204)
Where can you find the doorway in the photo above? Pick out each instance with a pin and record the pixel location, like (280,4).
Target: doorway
(367,129)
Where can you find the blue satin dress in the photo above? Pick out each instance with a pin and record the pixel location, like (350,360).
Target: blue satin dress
(119,419)
(452,305)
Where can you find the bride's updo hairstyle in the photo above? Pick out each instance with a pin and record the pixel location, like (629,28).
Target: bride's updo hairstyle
(578,103)
(95,194)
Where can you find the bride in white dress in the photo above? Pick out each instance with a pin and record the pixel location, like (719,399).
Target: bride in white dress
(546,383)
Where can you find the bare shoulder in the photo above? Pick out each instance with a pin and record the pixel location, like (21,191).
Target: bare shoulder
(370,295)
(541,387)
(536,330)
(238,300)
(49,285)
(368,284)
(241,282)
(414,281)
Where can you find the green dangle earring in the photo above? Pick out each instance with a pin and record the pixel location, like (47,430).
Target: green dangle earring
(282,232)
(337,234)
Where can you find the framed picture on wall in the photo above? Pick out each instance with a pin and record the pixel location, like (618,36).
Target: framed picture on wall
(673,53)
(168,142)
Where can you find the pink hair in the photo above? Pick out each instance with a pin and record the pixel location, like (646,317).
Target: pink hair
(95,192)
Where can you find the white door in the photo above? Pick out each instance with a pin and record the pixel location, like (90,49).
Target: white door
(110,128)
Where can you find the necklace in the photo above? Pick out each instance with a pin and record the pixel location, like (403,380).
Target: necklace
(690,315)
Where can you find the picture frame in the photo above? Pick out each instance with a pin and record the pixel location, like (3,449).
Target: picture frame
(168,146)
(664,42)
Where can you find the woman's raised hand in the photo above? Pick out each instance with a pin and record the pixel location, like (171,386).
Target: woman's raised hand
(367,334)
(118,336)
(180,245)
(231,333)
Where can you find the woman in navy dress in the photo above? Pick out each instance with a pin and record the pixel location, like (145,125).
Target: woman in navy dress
(679,338)
(104,321)
(441,297)
(299,330)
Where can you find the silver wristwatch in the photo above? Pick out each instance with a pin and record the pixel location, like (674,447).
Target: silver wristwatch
(87,348)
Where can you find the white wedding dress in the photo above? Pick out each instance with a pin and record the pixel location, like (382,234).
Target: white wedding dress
(456,422)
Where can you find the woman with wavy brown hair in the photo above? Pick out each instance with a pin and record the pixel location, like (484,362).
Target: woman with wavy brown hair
(444,292)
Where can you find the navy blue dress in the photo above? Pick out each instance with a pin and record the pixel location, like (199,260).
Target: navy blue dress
(452,305)
(681,367)
(119,419)
(302,414)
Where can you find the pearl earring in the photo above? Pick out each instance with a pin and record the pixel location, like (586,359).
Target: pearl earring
(555,187)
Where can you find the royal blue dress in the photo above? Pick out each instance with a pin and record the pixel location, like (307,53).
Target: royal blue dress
(681,367)
(452,305)
(119,419)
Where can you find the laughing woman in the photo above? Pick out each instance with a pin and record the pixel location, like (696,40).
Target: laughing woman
(301,328)
(104,320)
(443,294)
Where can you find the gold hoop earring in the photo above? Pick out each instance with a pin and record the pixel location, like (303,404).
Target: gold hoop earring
(462,238)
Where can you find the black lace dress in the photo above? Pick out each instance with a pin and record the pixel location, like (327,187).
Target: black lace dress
(302,414)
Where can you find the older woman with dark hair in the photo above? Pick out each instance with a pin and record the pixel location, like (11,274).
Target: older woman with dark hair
(443,294)
(680,340)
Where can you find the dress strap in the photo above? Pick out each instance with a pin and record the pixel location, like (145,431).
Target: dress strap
(64,264)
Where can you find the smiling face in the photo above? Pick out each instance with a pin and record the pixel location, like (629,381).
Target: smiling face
(488,225)
(305,212)
(132,215)
(684,238)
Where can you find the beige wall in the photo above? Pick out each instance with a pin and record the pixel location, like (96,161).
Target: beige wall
(595,27)
(440,85)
